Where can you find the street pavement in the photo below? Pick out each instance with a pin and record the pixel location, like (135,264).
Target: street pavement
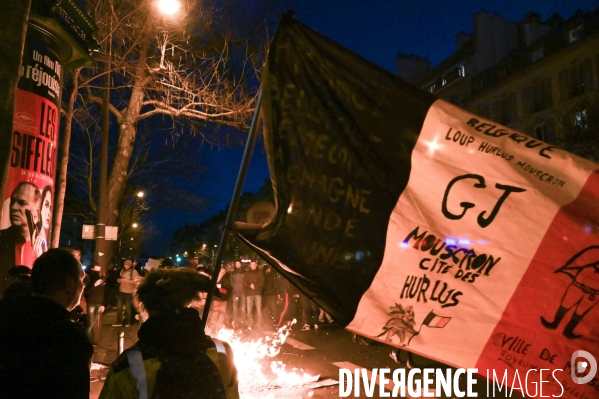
(316,352)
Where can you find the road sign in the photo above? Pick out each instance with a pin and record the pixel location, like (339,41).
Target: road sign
(89,232)
(111,233)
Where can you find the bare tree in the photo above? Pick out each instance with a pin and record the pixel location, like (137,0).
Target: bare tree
(159,159)
(185,72)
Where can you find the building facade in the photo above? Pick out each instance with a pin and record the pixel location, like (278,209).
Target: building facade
(540,78)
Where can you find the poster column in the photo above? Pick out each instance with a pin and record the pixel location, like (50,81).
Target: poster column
(26,219)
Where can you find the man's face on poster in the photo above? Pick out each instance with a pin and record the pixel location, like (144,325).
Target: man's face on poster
(23,198)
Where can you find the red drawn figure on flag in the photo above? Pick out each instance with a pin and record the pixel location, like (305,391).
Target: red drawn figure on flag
(582,293)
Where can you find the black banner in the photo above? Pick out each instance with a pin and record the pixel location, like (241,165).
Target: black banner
(339,133)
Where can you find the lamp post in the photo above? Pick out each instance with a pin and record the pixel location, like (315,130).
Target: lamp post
(101,244)
(168,8)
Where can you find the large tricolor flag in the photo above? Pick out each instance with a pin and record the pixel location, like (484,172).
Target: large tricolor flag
(398,212)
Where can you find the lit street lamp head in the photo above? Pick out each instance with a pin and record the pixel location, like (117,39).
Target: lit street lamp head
(134,225)
(168,7)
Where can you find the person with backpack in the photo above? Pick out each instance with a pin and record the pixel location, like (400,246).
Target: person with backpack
(173,357)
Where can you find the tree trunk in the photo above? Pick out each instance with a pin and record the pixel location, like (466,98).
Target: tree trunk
(13,29)
(60,185)
(127,133)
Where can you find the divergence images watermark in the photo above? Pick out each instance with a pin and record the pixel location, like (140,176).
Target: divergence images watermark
(436,382)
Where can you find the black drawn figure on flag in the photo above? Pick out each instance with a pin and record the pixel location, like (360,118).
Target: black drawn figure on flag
(433,321)
(400,323)
(582,293)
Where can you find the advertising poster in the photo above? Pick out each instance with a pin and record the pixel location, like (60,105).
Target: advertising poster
(26,220)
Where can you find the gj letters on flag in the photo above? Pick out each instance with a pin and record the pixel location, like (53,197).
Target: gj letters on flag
(420,224)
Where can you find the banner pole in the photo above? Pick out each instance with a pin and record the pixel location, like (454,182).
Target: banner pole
(229,224)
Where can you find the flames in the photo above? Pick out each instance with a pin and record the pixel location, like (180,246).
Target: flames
(257,370)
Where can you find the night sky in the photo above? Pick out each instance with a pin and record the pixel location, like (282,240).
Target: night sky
(377,30)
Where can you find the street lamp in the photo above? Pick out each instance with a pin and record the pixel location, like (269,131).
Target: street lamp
(168,7)
(134,225)
(140,194)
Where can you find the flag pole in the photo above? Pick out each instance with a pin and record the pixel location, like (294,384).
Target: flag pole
(229,224)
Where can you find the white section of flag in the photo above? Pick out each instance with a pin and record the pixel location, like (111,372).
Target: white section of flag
(453,173)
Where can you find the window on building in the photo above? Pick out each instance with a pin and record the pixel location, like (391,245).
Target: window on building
(576,122)
(462,70)
(443,82)
(453,75)
(575,34)
(506,110)
(576,80)
(503,70)
(432,88)
(538,54)
(537,96)
(545,133)
(480,83)
(580,120)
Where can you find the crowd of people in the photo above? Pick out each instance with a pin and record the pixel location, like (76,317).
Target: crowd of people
(44,354)
(257,296)
(251,295)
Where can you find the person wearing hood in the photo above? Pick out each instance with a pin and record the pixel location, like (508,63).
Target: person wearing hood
(173,357)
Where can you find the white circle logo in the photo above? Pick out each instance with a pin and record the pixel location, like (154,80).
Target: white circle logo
(581,367)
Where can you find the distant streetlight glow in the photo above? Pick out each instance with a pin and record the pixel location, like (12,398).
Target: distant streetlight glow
(134,225)
(140,194)
(168,7)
